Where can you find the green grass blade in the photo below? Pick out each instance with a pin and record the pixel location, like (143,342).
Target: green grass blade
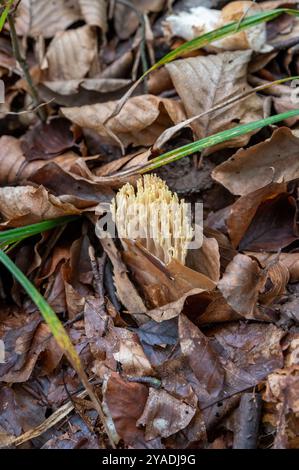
(55,326)
(212,140)
(18,234)
(59,333)
(221,33)
(5,12)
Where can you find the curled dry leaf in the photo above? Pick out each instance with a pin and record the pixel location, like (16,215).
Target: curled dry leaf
(140,122)
(289,260)
(17,168)
(274,160)
(263,219)
(201,357)
(163,284)
(126,291)
(24,205)
(277,278)
(241,284)
(95,13)
(203,82)
(45,17)
(206,259)
(75,46)
(125,402)
(164,414)
(47,140)
(25,339)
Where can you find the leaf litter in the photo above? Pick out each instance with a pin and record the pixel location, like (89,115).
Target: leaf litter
(173,340)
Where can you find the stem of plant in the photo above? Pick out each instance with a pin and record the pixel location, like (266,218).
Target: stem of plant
(41,112)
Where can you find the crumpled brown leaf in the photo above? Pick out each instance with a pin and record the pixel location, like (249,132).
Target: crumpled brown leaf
(140,122)
(164,414)
(201,357)
(75,46)
(25,339)
(45,17)
(125,402)
(24,205)
(273,160)
(213,79)
(241,284)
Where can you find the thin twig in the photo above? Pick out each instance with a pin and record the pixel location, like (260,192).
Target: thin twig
(24,66)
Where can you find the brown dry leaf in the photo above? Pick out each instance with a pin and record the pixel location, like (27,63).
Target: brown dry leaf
(253,348)
(241,284)
(25,339)
(125,19)
(132,357)
(16,168)
(95,13)
(48,140)
(243,211)
(140,122)
(203,82)
(164,414)
(277,278)
(126,291)
(125,402)
(24,205)
(206,259)
(289,260)
(274,160)
(162,284)
(201,357)
(70,54)
(101,85)
(45,17)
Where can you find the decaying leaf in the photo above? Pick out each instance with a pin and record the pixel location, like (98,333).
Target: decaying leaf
(241,284)
(140,122)
(274,160)
(164,414)
(24,205)
(203,82)
(75,46)
(45,17)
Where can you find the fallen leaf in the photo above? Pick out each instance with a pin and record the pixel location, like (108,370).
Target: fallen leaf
(263,219)
(164,414)
(213,79)
(95,13)
(273,160)
(241,284)
(47,141)
(140,122)
(45,17)
(24,205)
(75,46)
(201,357)
(126,402)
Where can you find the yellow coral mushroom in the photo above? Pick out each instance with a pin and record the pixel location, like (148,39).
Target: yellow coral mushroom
(153,215)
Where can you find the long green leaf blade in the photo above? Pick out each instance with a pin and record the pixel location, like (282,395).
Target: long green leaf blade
(215,139)
(5,13)
(221,33)
(20,233)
